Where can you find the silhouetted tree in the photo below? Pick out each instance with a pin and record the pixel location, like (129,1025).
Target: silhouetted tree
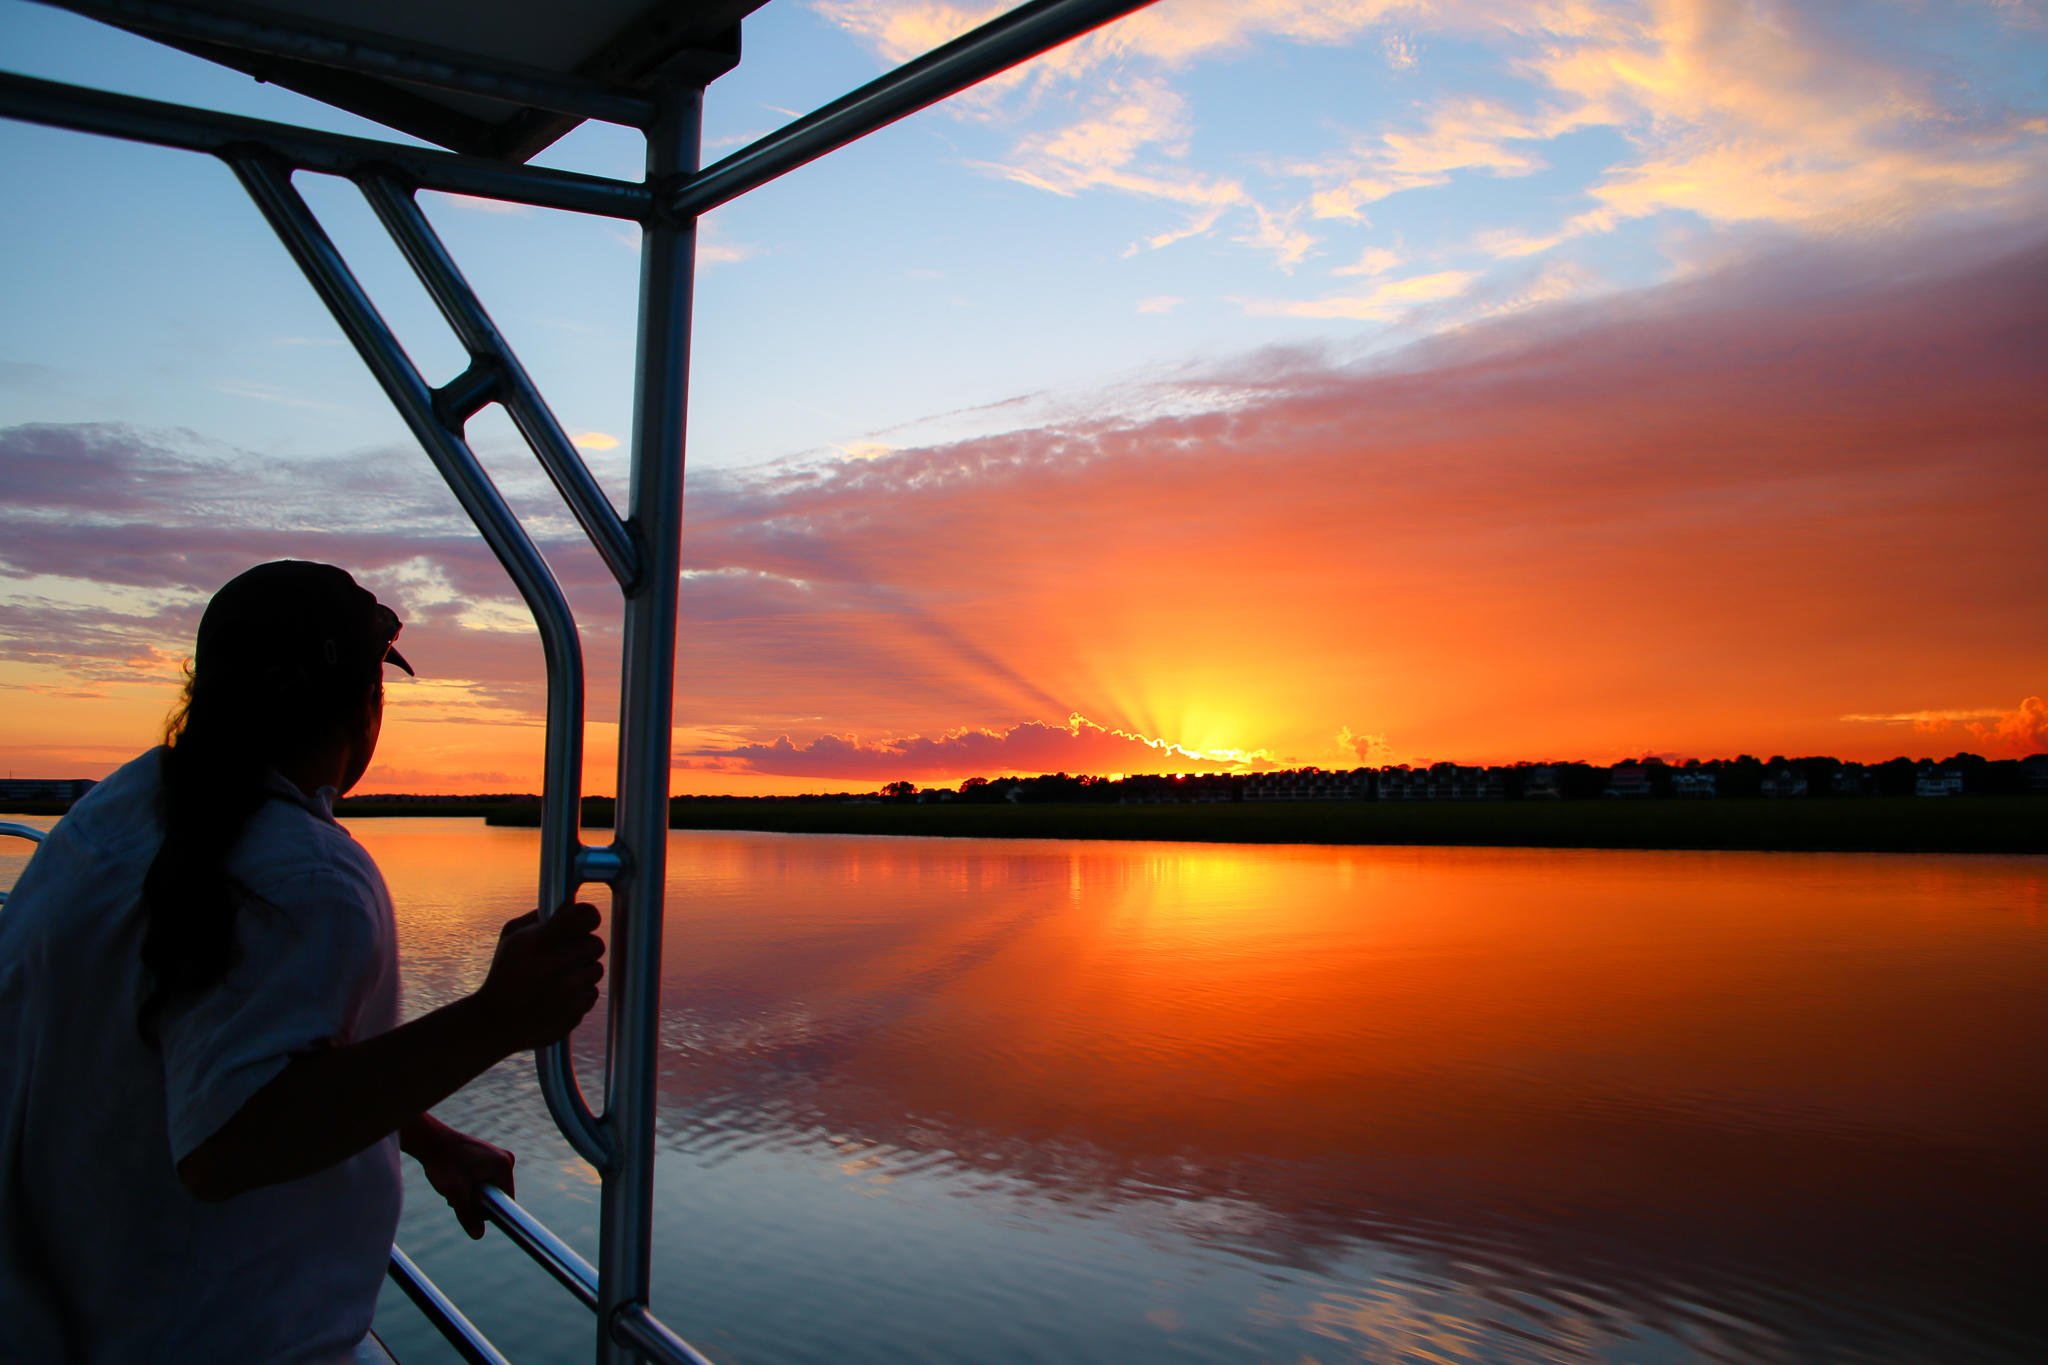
(1742,775)
(1895,776)
(1975,769)
(1580,781)
(1819,774)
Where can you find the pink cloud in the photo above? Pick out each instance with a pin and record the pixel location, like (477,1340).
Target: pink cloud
(1031,747)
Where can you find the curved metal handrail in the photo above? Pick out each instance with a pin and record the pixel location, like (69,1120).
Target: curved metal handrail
(269,184)
(28,832)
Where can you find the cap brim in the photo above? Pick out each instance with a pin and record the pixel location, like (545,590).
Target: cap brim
(392,656)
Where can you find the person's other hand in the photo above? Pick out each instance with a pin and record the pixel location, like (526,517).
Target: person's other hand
(543,977)
(458,1166)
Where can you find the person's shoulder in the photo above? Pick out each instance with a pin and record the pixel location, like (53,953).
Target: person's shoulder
(119,818)
(288,849)
(87,872)
(290,836)
(332,907)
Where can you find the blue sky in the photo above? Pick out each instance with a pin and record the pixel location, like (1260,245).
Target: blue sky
(1160,197)
(1215,207)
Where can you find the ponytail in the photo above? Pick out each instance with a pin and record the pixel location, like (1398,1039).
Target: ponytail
(227,734)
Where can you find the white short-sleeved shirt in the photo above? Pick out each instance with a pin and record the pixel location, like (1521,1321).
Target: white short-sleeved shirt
(104,1255)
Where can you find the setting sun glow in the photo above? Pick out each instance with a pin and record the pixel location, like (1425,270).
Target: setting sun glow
(1240,387)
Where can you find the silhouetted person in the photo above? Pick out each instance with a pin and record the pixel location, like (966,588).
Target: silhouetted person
(203,1093)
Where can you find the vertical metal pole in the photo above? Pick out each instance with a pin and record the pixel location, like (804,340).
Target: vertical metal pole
(647,700)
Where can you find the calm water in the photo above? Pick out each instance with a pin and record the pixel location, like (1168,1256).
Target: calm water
(966,1101)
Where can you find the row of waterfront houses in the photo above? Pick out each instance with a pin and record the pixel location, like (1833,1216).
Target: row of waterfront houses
(61,789)
(1623,781)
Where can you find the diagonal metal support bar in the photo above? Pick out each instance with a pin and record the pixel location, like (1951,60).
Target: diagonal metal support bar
(511,385)
(57,105)
(1025,32)
(269,184)
(353,49)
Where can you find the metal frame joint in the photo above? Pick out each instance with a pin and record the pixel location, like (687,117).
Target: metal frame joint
(469,393)
(606,865)
(665,193)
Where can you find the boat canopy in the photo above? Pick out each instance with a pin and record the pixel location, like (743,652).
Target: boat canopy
(492,78)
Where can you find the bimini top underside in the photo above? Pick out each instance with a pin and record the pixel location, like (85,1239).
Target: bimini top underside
(491,78)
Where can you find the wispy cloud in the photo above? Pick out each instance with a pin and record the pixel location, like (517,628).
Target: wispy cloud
(269,393)
(2002,733)
(1806,118)
(714,247)
(1374,260)
(473,204)
(1384,302)
(1512,243)
(1133,141)
(1775,113)
(1927,721)
(1459,134)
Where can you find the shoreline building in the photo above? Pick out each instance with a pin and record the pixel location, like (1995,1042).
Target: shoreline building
(45,788)
(1441,782)
(1933,781)
(1310,784)
(1694,783)
(1629,782)
(1782,782)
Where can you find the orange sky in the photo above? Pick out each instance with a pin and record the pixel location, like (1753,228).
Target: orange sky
(1791,506)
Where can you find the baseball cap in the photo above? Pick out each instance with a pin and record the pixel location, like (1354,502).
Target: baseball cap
(296,611)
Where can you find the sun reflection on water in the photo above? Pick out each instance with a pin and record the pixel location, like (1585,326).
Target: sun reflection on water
(1338,1104)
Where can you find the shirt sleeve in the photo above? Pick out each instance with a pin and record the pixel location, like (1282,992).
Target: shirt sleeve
(305,953)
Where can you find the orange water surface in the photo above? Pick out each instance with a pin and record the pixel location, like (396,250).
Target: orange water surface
(990,1100)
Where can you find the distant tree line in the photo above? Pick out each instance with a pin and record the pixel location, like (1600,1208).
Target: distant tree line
(1650,777)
